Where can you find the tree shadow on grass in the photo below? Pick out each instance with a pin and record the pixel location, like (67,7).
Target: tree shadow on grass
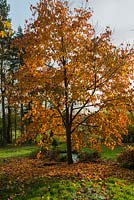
(41,188)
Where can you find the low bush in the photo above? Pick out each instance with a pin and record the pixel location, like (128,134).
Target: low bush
(126,157)
(33,154)
(55,143)
(130,137)
(47,155)
(63,157)
(92,156)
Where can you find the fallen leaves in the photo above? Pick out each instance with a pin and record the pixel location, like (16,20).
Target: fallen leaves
(24,170)
(26,178)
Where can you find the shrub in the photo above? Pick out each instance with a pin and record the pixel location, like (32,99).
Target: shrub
(126,157)
(63,157)
(130,137)
(92,156)
(33,154)
(49,155)
(55,143)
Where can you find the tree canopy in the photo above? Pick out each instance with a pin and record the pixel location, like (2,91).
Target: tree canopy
(78,84)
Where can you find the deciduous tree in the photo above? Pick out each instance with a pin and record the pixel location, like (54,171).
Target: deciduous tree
(77,82)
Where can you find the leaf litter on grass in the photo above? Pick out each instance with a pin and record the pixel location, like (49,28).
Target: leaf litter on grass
(77,181)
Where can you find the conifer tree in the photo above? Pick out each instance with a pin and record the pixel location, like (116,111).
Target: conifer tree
(5,37)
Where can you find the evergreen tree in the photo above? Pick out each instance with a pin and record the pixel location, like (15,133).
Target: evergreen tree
(16,64)
(5,37)
(4,9)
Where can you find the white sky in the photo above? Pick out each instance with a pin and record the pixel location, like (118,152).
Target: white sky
(118,14)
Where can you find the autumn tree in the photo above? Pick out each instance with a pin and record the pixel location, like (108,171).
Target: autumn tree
(77,82)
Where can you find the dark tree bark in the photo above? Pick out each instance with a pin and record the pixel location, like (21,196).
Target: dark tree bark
(67,117)
(69,146)
(9,138)
(21,116)
(2,89)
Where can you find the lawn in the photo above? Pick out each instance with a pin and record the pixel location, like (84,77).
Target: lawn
(110,154)
(22,178)
(16,151)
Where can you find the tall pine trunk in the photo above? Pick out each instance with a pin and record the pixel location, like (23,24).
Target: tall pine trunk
(4,132)
(15,124)
(21,116)
(9,139)
(4,137)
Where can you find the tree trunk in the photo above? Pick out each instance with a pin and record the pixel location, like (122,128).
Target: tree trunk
(2,90)
(15,124)
(21,115)
(67,114)
(69,146)
(9,139)
(4,135)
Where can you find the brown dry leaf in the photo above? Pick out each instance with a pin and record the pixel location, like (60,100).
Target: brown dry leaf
(24,170)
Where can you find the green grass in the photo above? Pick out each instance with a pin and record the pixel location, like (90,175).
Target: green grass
(22,151)
(106,153)
(10,151)
(120,190)
(69,189)
(110,154)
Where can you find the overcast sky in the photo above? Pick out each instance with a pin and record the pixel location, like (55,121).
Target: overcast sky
(118,14)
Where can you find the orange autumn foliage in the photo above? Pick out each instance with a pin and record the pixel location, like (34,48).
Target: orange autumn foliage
(79,84)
